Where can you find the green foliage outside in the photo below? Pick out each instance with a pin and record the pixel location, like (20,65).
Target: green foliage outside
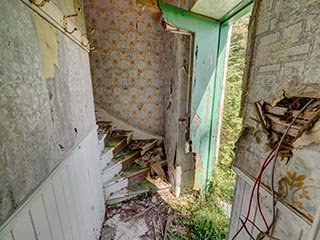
(202,215)
(201,218)
(224,177)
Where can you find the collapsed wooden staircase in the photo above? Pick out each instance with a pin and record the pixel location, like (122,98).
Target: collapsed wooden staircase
(127,162)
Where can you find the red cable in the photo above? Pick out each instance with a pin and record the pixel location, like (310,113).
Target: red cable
(252,192)
(265,164)
(259,207)
(258,194)
(250,221)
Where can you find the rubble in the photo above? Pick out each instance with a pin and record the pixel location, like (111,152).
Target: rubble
(145,217)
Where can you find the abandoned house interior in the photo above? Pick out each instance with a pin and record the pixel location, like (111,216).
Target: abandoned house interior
(96,96)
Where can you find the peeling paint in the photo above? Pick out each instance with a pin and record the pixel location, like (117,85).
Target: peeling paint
(199,168)
(197,122)
(208,97)
(307,138)
(47,38)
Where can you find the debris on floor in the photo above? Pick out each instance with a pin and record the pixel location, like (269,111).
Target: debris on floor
(145,217)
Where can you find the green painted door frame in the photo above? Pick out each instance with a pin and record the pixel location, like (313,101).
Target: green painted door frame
(210,61)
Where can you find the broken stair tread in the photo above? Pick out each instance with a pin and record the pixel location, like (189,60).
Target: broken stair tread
(135,190)
(121,161)
(109,166)
(118,143)
(101,136)
(106,151)
(131,174)
(123,133)
(143,144)
(106,157)
(134,169)
(103,124)
(114,141)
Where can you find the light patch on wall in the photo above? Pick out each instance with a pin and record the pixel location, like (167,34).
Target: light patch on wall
(47,38)
(148,3)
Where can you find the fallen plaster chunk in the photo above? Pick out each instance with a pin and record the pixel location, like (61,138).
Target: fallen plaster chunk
(132,230)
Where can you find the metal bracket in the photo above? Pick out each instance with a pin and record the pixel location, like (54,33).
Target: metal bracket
(43,2)
(65,21)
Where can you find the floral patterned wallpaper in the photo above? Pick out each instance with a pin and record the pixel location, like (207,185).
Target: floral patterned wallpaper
(130,64)
(127,63)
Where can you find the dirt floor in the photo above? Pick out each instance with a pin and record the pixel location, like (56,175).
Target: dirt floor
(146,217)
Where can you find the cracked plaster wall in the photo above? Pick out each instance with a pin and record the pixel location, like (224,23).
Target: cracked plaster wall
(283,56)
(46,103)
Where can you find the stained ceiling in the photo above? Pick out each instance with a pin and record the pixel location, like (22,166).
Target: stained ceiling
(214,8)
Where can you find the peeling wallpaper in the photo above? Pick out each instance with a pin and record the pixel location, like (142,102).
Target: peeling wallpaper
(127,63)
(283,58)
(41,119)
(48,44)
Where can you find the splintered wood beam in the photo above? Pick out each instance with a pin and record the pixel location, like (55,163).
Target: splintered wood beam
(275,110)
(282,128)
(281,111)
(278,121)
(278,125)
(306,115)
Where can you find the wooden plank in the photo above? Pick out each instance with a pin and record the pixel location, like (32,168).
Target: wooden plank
(281,111)
(23,229)
(93,173)
(40,221)
(282,206)
(275,110)
(50,205)
(243,213)
(76,196)
(80,164)
(266,210)
(53,211)
(71,206)
(7,237)
(236,207)
(282,129)
(62,209)
(306,115)
(98,175)
(278,121)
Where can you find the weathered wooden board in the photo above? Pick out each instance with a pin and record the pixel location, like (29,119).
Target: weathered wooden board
(68,205)
(289,225)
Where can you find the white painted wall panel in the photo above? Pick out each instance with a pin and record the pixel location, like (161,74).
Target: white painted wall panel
(62,209)
(23,228)
(289,225)
(8,237)
(69,205)
(50,206)
(40,222)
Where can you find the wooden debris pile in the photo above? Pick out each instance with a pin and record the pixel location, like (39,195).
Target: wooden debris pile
(276,119)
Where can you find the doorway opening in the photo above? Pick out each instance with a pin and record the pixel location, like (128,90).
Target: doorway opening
(224,177)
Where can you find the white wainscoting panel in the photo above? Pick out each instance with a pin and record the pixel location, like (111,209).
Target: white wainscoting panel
(289,223)
(69,205)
